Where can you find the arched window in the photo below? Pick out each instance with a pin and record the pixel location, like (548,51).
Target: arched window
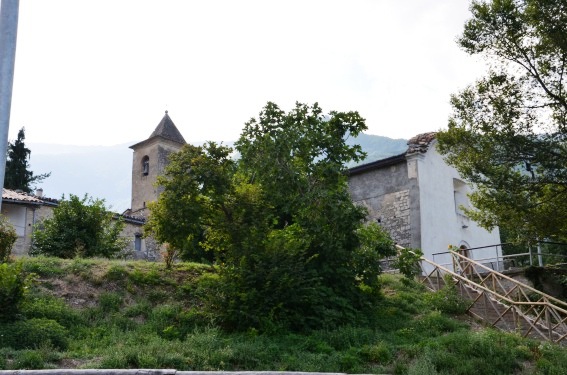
(145,165)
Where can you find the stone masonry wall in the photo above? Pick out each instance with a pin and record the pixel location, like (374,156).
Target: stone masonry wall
(387,194)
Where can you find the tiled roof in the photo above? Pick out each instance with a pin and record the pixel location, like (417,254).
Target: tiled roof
(167,129)
(19,197)
(132,219)
(420,143)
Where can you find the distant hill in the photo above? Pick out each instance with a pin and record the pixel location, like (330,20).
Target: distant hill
(378,147)
(106,171)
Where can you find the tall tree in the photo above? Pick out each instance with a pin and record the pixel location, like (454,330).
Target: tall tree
(508,132)
(290,244)
(18,175)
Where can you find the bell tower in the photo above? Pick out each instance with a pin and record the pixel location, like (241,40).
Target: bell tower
(149,161)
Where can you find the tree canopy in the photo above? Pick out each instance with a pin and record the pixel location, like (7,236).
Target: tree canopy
(289,242)
(508,131)
(79,227)
(17,175)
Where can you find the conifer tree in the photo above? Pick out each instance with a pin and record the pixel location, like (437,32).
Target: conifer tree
(18,176)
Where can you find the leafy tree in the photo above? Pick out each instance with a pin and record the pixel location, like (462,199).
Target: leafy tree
(79,227)
(18,175)
(195,185)
(507,133)
(288,240)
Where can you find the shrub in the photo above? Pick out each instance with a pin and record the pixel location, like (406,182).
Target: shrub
(33,333)
(109,302)
(7,238)
(51,308)
(13,285)
(79,227)
(447,299)
(28,360)
(408,262)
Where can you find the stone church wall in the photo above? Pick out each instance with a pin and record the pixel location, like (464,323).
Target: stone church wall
(387,193)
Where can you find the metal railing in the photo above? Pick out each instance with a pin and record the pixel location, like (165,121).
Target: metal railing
(500,262)
(501,301)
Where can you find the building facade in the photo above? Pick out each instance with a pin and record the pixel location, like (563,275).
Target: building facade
(418,198)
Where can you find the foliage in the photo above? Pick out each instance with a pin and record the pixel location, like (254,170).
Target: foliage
(18,176)
(448,299)
(8,237)
(13,285)
(126,329)
(194,185)
(508,132)
(33,333)
(408,262)
(375,244)
(279,221)
(79,227)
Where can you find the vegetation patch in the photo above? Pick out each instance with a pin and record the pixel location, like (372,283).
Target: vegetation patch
(127,326)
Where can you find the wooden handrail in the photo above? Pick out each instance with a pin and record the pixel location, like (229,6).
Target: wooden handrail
(548,316)
(514,281)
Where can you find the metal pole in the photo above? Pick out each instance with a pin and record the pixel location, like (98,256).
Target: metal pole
(8,32)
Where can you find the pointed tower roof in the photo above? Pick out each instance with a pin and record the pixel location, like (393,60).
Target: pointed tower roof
(166,129)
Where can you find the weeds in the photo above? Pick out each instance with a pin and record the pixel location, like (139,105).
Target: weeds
(144,322)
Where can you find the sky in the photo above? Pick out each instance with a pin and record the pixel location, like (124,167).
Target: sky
(102,72)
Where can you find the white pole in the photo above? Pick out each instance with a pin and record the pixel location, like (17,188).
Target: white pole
(8,32)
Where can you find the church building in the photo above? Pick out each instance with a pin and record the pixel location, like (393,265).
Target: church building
(149,161)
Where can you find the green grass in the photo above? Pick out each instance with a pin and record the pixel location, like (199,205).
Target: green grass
(139,315)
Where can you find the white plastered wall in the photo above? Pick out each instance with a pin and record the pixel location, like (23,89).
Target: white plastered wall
(441,223)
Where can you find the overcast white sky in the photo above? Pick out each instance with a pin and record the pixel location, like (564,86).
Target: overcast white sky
(102,72)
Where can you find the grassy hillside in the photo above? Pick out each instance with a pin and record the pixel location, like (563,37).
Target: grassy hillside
(122,314)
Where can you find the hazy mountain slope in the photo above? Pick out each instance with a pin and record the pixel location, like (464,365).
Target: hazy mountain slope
(100,171)
(378,147)
(106,171)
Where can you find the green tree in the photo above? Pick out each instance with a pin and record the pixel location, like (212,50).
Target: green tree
(79,227)
(196,187)
(18,176)
(288,240)
(507,133)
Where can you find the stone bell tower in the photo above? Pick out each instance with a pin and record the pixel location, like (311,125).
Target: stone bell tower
(149,161)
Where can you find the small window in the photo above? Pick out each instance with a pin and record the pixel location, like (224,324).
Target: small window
(145,165)
(138,242)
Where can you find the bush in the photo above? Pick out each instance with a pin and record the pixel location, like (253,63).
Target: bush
(51,308)
(7,238)
(33,333)
(408,263)
(447,299)
(79,227)
(28,360)
(13,285)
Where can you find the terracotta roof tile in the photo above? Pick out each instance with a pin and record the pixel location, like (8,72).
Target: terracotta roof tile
(19,197)
(420,143)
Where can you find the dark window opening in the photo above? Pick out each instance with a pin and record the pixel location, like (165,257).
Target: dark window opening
(138,242)
(145,165)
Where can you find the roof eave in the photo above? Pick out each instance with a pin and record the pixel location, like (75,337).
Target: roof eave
(392,160)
